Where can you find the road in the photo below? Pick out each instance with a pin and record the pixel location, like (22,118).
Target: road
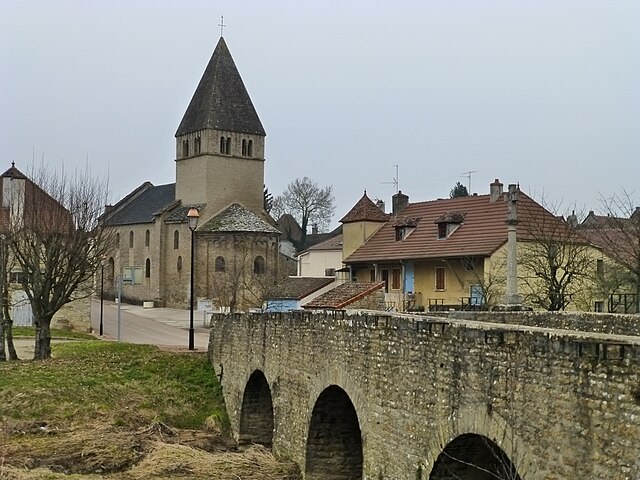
(155,326)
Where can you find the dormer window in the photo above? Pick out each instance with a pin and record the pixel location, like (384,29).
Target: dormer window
(405,226)
(449,223)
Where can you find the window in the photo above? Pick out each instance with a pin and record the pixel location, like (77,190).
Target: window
(385,279)
(372,275)
(179,265)
(600,268)
(147,269)
(117,240)
(395,279)
(176,240)
(329,272)
(147,238)
(185,148)
(131,239)
(258,265)
(442,230)
(440,278)
(111,268)
(196,145)
(250,148)
(399,233)
(228,149)
(223,145)
(244,148)
(17,277)
(220,265)
(599,307)
(469,263)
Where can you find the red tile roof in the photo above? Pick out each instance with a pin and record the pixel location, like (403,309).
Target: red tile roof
(482,232)
(343,295)
(365,211)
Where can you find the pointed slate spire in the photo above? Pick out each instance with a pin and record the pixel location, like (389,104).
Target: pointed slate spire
(221,100)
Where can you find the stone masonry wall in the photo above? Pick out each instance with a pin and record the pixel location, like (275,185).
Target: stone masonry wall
(562,405)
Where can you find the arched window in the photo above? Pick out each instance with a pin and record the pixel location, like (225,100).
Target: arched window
(147,269)
(179,265)
(220,264)
(258,265)
(147,238)
(196,145)
(117,240)
(223,145)
(111,268)
(250,149)
(176,240)
(131,239)
(244,147)
(228,149)
(185,148)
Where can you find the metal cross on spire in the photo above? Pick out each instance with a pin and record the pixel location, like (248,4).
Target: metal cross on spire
(221,24)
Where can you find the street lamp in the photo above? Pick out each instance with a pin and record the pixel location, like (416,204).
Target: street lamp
(101,294)
(192,216)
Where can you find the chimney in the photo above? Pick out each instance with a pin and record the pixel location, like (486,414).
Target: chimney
(380,205)
(314,229)
(398,202)
(495,190)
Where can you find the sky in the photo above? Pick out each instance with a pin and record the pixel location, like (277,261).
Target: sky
(541,93)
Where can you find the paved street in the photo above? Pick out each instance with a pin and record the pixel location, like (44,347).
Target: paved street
(156,326)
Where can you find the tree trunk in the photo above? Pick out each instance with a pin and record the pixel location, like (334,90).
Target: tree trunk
(13,355)
(3,355)
(42,349)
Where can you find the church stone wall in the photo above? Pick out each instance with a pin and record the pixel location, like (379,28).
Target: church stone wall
(562,405)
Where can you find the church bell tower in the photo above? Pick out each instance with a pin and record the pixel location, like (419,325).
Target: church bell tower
(220,141)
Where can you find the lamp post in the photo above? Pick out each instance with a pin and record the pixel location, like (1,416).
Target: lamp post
(192,216)
(101,295)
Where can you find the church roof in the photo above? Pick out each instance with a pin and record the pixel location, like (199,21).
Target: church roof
(237,218)
(143,207)
(221,100)
(365,211)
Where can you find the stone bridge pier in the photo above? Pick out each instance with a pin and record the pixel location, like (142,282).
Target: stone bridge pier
(379,397)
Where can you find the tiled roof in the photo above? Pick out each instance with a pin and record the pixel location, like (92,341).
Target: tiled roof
(299,287)
(365,211)
(332,243)
(237,218)
(343,295)
(13,172)
(221,100)
(482,232)
(179,215)
(142,208)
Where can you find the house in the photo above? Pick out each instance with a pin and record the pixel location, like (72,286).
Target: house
(321,259)
(445,253)
(294,292)
(219,162)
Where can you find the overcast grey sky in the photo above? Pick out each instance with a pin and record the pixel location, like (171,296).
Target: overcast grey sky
(544,93)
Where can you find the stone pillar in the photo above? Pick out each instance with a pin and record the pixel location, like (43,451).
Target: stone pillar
(512,297)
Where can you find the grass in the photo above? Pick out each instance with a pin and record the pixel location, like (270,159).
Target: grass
(55,333)
(107,410)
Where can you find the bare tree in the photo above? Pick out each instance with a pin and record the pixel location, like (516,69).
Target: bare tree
(554,260)
(618,233)
(58,243)
(6,323)
(307,203)
(492,278)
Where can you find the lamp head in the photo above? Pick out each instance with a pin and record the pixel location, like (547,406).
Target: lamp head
(193,216)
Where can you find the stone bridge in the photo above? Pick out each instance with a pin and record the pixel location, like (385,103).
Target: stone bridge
(486,396)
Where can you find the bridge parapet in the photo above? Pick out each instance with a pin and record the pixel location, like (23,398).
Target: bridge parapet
(560,403)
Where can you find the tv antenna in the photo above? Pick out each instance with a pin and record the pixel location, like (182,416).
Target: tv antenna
(396,180)
(468,175)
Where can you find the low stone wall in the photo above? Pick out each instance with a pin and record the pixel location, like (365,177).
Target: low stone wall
(610,323)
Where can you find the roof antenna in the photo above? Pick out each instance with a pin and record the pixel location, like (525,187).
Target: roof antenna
(396,180)
(468,175)
(221,24)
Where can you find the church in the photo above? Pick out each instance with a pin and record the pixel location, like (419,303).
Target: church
(219,161)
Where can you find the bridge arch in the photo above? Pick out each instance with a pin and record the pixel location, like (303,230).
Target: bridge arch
(334,441)
(256,416)
(473,457)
